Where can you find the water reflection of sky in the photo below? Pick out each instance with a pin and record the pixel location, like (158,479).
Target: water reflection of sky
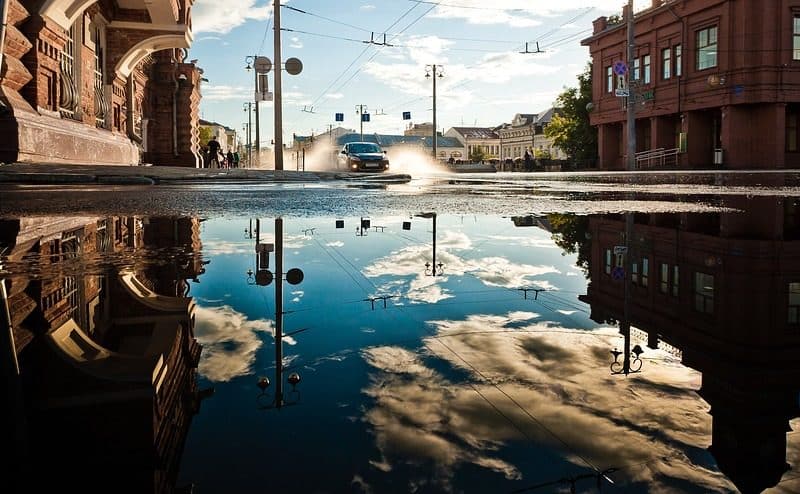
(461,384)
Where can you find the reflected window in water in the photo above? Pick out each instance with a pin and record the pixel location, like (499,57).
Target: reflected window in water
(704,293)
(794,303)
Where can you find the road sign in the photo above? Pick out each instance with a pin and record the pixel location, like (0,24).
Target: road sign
(620,249)
(365,117)
(267,96)
(622,93)
(406,115)
(294,66)
(618,273)
(262,65)
(340,117)
(620,68)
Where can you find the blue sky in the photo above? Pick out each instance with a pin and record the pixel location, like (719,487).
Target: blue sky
(486,80)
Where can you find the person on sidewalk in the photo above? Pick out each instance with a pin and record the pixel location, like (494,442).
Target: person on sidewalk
(213,150)
(230,161)
(528,161)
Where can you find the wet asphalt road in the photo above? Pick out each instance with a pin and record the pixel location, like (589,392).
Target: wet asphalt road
(496,193)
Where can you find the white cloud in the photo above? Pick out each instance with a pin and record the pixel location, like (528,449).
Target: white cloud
(334,95)
(295,42)
(213,16)
(221,93)
(222,247)
(230,342)
(367,7)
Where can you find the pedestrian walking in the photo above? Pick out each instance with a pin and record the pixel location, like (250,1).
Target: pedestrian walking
(213,151)
(229,159)
(528,161)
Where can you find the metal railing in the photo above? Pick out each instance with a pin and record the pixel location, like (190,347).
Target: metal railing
(658,157)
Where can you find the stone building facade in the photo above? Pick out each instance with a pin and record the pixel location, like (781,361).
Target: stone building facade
(718,80)
(98,82)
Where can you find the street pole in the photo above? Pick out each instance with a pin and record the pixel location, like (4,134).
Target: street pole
(276,13)
(631,159)
(434,71)
(258,135)
(625,324)
(361,109)
(278,310)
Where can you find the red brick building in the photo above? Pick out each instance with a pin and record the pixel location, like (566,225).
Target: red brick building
(98,82)
(719,80)
(724,288)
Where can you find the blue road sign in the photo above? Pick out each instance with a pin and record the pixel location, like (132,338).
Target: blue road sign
(618,273)
(365,117)
(620,67)
(340,117)
(406,115)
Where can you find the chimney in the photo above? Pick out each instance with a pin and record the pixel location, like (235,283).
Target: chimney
(625,12)
(600,24)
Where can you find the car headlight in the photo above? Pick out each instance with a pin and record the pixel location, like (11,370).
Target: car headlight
(354,166)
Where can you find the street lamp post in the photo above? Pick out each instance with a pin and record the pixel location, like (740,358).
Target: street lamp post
(248,107)
(431,268)
(251,59)
(361,110)
(264,277)
(434,71)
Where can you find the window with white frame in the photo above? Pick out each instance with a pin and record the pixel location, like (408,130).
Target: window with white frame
(646,66)
(666,63)
(707,48)
(678,60)
(609,79)
(796,38)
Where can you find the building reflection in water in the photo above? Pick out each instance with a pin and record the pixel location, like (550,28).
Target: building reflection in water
(101,348)
(724,289)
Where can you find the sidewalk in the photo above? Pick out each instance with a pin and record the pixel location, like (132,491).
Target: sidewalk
(52,174)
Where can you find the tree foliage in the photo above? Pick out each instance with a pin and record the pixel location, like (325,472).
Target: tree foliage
(570,129)
(204,135)
(571,233)
(477,154)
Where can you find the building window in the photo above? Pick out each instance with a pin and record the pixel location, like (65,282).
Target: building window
(666,63)
(646,64)
(663,278)
(637,69)
(609,79)
(645,271)
(794,303)
(707,48)
(678,60)
(792,116)
(68,87)
(635,273)
(796,38)
(704,293)
(675,272)
(608,261)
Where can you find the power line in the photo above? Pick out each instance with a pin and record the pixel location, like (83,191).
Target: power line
(324,92)
(264,39)
(323,17)
(472,7)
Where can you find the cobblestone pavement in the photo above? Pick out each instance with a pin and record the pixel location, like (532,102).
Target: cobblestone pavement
(25,173)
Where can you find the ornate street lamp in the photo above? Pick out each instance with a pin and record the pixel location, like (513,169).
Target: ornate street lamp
(631,362)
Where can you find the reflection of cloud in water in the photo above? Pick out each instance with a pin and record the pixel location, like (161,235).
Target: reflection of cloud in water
(536,242)
(229,340)
(225,247)
(499,271)
(492,271)
(337,243)
(557,375)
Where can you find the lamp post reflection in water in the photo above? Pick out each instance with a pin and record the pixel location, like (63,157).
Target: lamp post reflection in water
(263,277)
(431,268)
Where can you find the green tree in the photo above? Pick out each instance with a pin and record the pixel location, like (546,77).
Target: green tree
(204,135)
(570,128)
(571,233)
(477,154)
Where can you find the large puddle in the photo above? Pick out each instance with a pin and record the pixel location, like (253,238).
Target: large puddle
(628,348)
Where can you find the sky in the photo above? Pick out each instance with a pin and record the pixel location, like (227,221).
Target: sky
(476,45)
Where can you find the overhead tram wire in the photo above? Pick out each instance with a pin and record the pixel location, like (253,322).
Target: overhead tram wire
(264,39)
(358,57)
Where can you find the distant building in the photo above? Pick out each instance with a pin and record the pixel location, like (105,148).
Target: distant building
(445,146)
(226,136)
(98,83)
(472,139)
(420,130)
(719,90)
(526,132)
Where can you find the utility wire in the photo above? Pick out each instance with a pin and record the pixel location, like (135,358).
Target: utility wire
(264,39)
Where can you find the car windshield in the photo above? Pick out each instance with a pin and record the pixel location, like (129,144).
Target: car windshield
(365,147)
